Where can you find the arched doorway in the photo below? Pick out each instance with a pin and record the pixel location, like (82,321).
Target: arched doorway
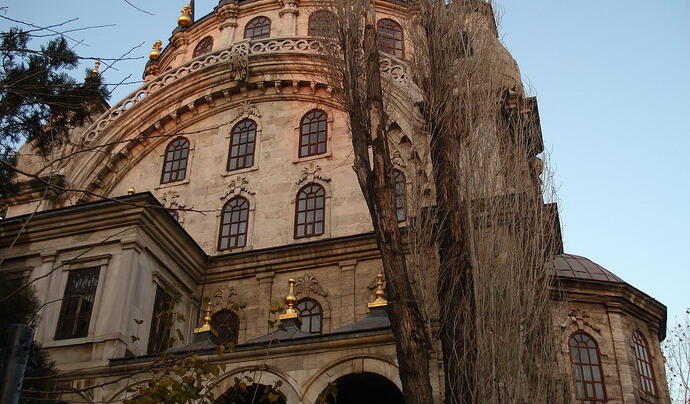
(366,388)
(252,394)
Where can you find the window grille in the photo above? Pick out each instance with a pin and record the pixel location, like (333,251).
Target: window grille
(310,211)
(322,24)
(204,46)
(175,161)
(643,361)
(390,37)
(587,370)
(161,322)
(77,303)
(313,133)
(234,223)
(311,314)
(258,28)
(242,145)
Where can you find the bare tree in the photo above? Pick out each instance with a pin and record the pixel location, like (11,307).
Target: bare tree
(677,354)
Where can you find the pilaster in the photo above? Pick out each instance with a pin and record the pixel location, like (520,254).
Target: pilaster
(288,14)
(227,16)
(623,363)
(264,301)
(346,311)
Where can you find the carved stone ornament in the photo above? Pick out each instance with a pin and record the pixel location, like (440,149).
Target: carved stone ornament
(580,319)
(226,297)
(172,200)
(237,186)
(307,284)
(397,159)
(310,173)
(238,66)
(246,110)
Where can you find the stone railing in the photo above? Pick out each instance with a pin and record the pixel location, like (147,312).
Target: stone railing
(391,66)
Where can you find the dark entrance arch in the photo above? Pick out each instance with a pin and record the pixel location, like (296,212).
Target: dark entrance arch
(366,388)
(251,394)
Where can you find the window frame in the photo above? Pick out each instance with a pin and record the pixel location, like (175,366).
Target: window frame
(402,196)
(157,322)
(222,224)
(312,27)
(309,144)
(237,320)
(582,364)
(320,314)
(60,334)
(640,341)
(306,211)
(384,48)
(173,160)
(239,145)
(203,41)
(257,18)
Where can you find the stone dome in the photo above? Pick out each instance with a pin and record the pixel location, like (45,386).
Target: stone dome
(577,267)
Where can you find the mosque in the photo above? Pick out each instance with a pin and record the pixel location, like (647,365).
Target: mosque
(227,176)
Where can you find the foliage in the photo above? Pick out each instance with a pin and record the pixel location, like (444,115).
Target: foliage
(677,354)
(22,307)
(39,101)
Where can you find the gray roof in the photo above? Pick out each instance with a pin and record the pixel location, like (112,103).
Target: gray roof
(289,330)
(375,320)
(577,267)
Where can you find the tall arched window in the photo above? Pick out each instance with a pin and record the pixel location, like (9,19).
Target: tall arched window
(644,363)
(258,28)
(313,133)
(233,224)
(321,23)
(587,370)
(204,46)
(390,37)
(399,178)
(242,144)
(311,314)
(310,211)
(226,325)
(175,160)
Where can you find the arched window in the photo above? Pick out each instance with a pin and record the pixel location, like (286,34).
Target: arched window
(313,133)
(258,28)
(242,144)
(226,325)
(204,46)
(587,370)
(321,23)
(311,314)
(233,225)
(399,178)
(390,37)
(309,211)
(175,162)
(644,363)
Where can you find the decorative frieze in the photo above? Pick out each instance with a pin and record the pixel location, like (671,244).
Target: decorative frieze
(310,173)
(307,285)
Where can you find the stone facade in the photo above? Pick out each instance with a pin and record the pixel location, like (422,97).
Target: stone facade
(129,235)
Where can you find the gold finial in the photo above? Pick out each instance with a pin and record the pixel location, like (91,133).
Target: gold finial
(96,69)
(185,18)
(206,326)
(131,191)
(156,52)
(290,300)
(380,293)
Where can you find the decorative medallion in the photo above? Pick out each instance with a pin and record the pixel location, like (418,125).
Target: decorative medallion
(310,173)
(238,66)
(307,284)
(226,297)
(246,110)
(580,319)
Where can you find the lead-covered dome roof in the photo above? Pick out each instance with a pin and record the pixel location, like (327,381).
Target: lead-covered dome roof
(577,267)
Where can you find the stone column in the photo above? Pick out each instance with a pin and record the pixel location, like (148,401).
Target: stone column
(288,16)
(46,294)
(621,342)
(347,294)
(227,16)
(264,300)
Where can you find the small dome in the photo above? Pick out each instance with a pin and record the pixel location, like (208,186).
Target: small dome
(577,267)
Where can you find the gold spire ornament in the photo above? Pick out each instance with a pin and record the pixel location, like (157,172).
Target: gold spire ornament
(156,52)
(380,293)
(290,300)
(96,69)
(131,191)
(206,326)
(185,18)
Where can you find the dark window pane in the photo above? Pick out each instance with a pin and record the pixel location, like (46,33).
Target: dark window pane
(258,28)
(310,314)
(175,164)
(313,133)
(242,145)
(645,368)
(77,303)
(226,325)
(234,224)
(587,372)
(204,46)
(161,321)
(390,38)
(309,211)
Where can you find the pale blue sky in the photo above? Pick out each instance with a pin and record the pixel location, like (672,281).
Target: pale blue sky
(613,82)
